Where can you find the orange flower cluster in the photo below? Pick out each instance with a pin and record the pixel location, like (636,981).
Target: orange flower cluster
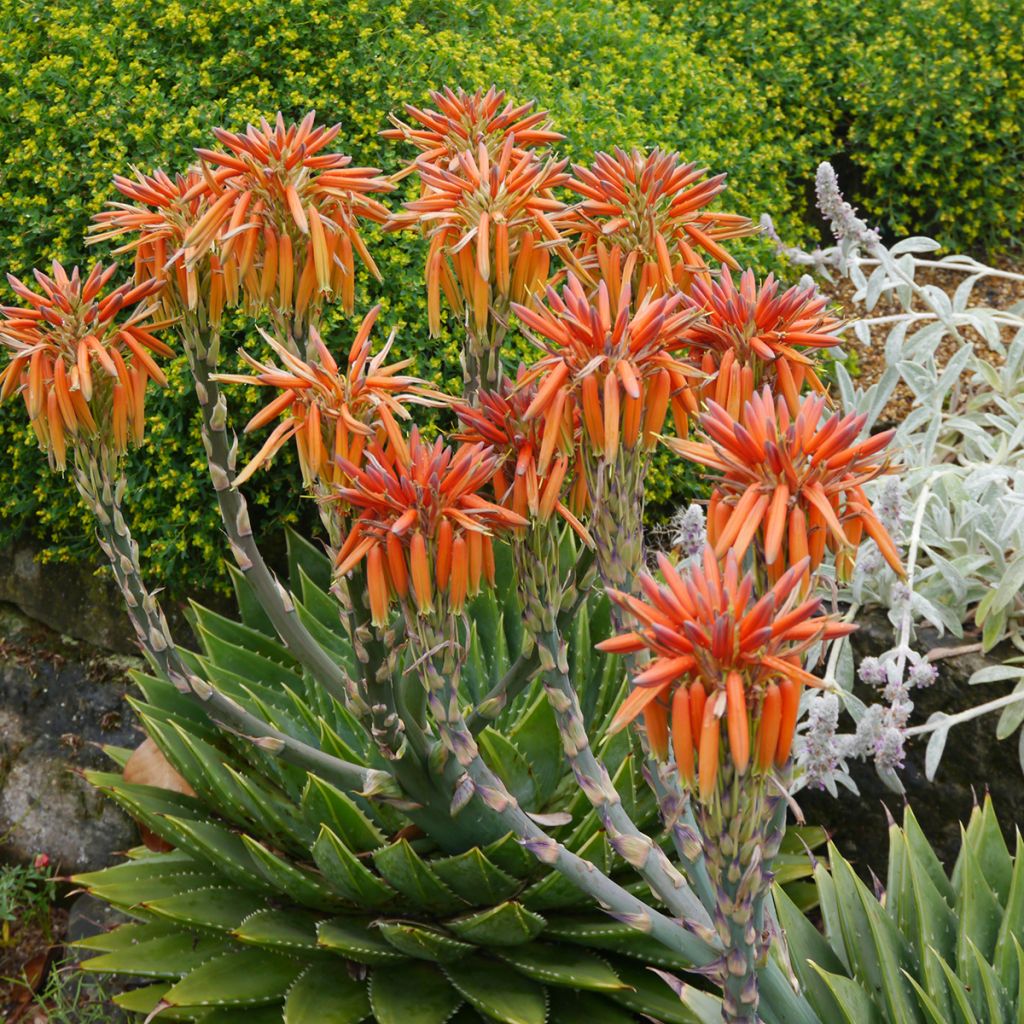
(274,216)
(463,120)
(538,453)
(614,363)
(644,217)
(793,482)
(82,360)
(285,213)
(421,524)
(751,332)
(719,653)
(160,216)
(331,412)
(491,222)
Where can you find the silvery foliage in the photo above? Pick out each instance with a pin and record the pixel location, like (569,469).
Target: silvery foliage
(957,506)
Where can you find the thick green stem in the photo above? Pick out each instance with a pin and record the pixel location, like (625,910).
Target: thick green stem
(275,599)
(102,487)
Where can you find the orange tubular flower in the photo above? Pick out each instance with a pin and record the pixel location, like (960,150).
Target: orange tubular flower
(644,217)
(717,652)
(421,524)
(796,484)
(463,120)
(751,333)
(617,364)
(332,412)
(160,215)
(284,215)
(82,361)
(491,222)
(537,455)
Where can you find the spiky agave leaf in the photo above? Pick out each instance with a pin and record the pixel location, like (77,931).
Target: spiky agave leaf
(933,948)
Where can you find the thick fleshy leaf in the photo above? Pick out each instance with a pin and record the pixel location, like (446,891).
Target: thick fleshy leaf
(855,1005)
(498,992)
(563,965)
(473,877)
(348,875)
(415,993)
(423,943)
(356,938)
(249,977)
(167,956)
(404,869)
(342,1000)
(286,930)
(508,924)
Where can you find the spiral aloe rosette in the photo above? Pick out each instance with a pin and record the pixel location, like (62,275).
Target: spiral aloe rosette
(935,948)
(288,898)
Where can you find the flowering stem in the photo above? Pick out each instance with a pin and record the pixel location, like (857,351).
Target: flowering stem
(95,476)
(274,598)
(966,716)
(626,839)
(526,666)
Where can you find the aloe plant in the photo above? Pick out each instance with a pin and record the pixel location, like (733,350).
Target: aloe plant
(932,948)
(279,879)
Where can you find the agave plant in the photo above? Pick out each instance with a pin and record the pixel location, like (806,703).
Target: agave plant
(932,947)
(280,878)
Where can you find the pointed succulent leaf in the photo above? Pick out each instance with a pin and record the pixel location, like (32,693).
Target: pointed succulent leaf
(536,736)
(415,993)
(809,955)
(124,936)
(356,938)
(323,803)
(1012,923)
(300,884)
(404,869)
(249,606)
(422,942)
(563,965)
(507,924)
(511,765)
(988,994)
(237,634)
(498,992)
(876,947)
(284,930)
(511,856)
(225,850)
(855,1005)
(166,956)
(309,558)
(348,875)
(567,1007)
(216,909)
(979,914)
(960,995)
(476,879)
(648,995)
(342,1001)
(248,977)
(601,932)
(925,856)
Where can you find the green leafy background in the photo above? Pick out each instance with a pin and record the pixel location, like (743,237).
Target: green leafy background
(921,101)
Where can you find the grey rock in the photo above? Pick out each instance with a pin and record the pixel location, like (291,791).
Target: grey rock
(59,701)
(974,762)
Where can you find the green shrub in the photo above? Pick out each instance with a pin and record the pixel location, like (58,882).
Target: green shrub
(937,105)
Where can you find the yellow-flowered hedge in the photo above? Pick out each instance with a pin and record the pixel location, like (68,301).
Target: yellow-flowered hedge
(90,87)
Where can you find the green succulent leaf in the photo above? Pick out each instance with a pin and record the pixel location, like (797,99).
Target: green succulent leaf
(284,930)
(342,1000)
(217,909)
(404,869)
(498,992)
(248,977)
(563,965)
(348,875)
(423,943)
(325,804)
(165,956)
(507,924)
(415,993)
(474,878)
(356,938)
(854,1004)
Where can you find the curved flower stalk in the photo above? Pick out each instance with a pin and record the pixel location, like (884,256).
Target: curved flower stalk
(751,336)
(463,120)
(793,484)
(725,661)
(491,222)
(284,215)
(644,218)
(619,367)
(81,364)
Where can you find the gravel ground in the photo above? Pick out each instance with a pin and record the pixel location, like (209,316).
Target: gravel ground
(999,293)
